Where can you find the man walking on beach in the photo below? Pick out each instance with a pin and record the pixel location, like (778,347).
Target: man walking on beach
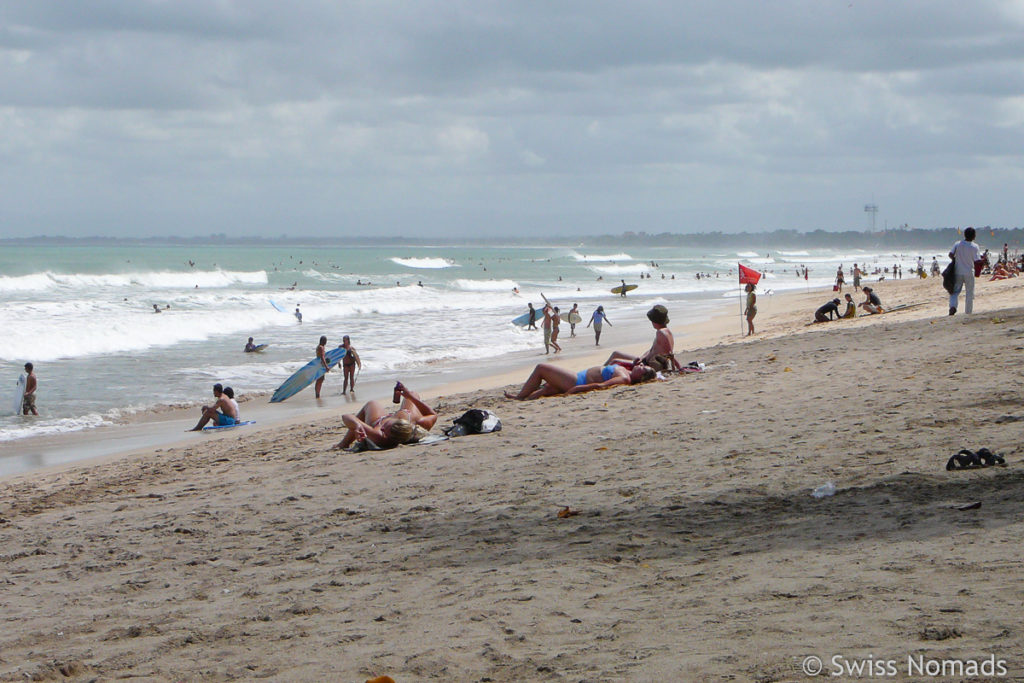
(547,327)
(28,401)
(964,253)
(533,317)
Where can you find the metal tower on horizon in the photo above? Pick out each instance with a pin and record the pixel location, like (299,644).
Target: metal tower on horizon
(873,210)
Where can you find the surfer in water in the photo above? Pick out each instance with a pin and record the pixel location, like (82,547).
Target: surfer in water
(298,314)
(387,430)
(249,346)
(348,365)
(533,317)
(222,413)
(321,355)
(622,293)
(551,380)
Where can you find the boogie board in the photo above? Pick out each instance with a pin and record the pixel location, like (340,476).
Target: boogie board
(237,424)
(309,373)
(259,347)
(277,306)
(571,318)
(619,289)
(19,394)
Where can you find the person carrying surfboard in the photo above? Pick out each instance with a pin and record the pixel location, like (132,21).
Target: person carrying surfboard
(348,365)
(321,355)
(28,399)
(574,317)
(623,292)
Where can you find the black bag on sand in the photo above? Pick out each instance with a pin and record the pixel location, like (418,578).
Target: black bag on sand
(949,277)
(474,422)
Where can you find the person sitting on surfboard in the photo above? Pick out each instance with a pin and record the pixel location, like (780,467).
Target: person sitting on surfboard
(661,355)
(551,380)
(230,393)
(223,413)
(387,430)
(249,346)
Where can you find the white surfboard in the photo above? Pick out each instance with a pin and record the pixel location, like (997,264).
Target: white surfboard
(19,394)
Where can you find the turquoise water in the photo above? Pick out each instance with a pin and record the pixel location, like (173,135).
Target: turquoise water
(84,315)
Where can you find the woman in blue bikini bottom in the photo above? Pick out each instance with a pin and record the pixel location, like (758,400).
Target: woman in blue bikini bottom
(551,380)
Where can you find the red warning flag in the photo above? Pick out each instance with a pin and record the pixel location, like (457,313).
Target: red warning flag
(748,276)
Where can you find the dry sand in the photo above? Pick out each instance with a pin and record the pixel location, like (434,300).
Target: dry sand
(697,552)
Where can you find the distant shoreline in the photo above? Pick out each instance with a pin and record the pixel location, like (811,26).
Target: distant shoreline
(776,239)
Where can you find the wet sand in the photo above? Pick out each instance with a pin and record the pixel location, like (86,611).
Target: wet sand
(696,552)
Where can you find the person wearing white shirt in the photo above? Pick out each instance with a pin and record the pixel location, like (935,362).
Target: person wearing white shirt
(964,253)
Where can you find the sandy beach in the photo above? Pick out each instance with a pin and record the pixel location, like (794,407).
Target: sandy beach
(692,549)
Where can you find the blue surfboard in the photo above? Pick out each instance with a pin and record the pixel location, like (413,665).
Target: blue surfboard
(524,319)
(276,305)
(237,424)
(309,373)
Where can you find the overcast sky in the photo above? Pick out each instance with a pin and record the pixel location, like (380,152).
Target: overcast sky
(538,117)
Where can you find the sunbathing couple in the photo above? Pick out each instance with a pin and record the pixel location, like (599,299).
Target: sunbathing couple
(386,430)
(620,368)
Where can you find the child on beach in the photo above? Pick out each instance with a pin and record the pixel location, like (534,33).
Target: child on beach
(598,318)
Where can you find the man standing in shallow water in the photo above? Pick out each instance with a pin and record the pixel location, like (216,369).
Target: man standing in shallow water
(28,401)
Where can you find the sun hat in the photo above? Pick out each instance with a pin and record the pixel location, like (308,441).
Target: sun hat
(658,314)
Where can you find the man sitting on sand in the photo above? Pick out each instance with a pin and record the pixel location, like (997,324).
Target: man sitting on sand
(551,380)
(872,304)
(826,312)
(387,430)
(223,413)
(660,356)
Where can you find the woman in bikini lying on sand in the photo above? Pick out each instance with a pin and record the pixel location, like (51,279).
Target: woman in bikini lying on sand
(387,430)
(550,380)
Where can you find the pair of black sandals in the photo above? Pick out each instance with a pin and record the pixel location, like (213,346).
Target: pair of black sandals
(972,460)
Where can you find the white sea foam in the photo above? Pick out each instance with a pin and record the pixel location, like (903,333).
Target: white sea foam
(424,262)
(600,257)
(634,269)
(485,285)
(154,280)
(747,254)
(59,426)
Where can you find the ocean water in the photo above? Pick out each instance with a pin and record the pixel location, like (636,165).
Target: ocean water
(84,314)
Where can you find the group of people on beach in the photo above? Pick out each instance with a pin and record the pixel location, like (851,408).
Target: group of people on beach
(380,428)
(551,319)
(383,429)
